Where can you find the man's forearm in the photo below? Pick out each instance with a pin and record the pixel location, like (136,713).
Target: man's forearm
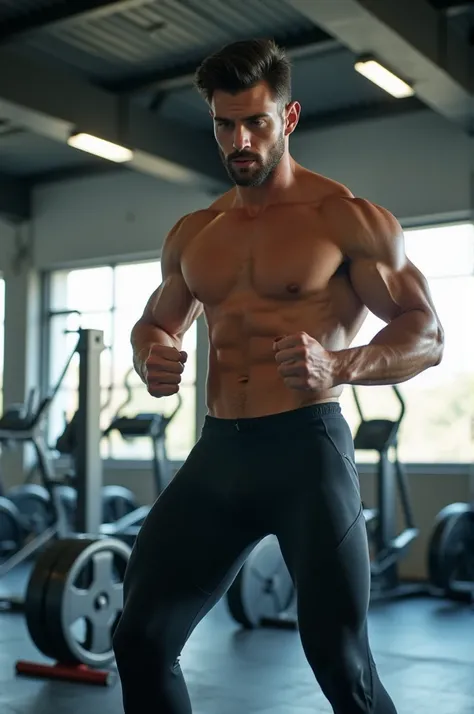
(405,347)
(143,336)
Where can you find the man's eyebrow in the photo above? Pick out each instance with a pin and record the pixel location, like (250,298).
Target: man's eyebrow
(261,115)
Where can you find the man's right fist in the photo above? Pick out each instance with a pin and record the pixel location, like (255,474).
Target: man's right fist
(163,369)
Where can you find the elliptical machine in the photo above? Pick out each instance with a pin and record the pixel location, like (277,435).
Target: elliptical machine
(143,425)
(263,595)
(388,545)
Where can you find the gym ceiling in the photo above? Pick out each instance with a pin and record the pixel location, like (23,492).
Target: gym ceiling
(122,70)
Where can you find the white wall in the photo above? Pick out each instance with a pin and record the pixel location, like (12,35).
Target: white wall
(417,165)
(116,216)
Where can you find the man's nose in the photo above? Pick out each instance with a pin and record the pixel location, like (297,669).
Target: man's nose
(241,139)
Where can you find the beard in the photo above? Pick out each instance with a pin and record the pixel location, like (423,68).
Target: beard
(260,171)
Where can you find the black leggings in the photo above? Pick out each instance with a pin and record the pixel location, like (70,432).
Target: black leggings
(290,474)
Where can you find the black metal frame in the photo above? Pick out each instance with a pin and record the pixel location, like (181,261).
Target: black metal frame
(88,460)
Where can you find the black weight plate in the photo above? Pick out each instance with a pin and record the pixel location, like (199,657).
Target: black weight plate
(453,526)
(54,594)
(263,589)
(35,600)
(459,549)
(34,504)
(88,586)
(235,603)
(11,531)
(117,501)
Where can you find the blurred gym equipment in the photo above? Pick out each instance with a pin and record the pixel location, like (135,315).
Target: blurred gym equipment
(451,551)
(33,518)
(74,594)
(143,425)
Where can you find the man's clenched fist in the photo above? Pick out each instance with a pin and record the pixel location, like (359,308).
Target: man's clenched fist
(303,362)
(162,370)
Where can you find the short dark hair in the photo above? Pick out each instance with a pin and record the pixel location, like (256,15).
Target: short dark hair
(241,65)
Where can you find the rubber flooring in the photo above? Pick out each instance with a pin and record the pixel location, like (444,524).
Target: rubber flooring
(424,650)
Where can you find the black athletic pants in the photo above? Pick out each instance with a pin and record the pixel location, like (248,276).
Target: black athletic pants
(290,474)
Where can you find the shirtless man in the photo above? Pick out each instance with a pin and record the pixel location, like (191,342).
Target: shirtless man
(284,267)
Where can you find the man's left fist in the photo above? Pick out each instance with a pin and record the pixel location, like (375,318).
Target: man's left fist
(303,362)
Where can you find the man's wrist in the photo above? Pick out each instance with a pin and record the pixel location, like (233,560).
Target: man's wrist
(340,367)
(139,361)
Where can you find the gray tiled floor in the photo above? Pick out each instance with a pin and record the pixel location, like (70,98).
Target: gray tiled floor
(424,650)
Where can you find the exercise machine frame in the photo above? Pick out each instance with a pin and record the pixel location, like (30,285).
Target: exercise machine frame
(388,544)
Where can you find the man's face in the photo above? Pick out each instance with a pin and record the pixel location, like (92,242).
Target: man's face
(250,132)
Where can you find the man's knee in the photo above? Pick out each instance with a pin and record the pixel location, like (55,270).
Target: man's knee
(138,637)
(345,676)
(126,639)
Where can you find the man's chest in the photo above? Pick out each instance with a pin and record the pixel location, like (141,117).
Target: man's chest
(278,253)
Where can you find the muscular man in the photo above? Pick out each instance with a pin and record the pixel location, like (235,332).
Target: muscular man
(284,266)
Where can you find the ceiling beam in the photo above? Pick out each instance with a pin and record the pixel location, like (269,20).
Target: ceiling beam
(306,43)
(15,199)
(362,112)
(71,173)
(411,38)
(58,13)
(451,4)
(53,102)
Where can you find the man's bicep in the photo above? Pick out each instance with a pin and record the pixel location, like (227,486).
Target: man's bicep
(389,289)
(171,306)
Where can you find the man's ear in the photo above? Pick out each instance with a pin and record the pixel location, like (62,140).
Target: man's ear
(292,112)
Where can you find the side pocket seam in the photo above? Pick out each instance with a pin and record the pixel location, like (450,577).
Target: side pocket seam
(343,456)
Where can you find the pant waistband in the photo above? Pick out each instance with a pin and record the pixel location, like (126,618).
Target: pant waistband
(272,422)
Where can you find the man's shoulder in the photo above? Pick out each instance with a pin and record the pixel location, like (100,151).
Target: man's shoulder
(333,196)
(361,227)
(193,222)
(316,188)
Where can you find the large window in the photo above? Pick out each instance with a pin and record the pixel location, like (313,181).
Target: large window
(112,299)
(438,422)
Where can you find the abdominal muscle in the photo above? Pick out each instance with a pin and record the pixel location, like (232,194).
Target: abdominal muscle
(243,377)
(260,392)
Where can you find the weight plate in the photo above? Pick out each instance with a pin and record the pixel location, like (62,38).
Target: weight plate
(263,589)
(117,501)
(34,504)
(11,531)
(84,600)
(35,599)
(451,547)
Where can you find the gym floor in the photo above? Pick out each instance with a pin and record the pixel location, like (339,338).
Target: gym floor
(422,648)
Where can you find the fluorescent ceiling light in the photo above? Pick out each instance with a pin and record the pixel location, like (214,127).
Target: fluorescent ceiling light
(100,147)
(382,77)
